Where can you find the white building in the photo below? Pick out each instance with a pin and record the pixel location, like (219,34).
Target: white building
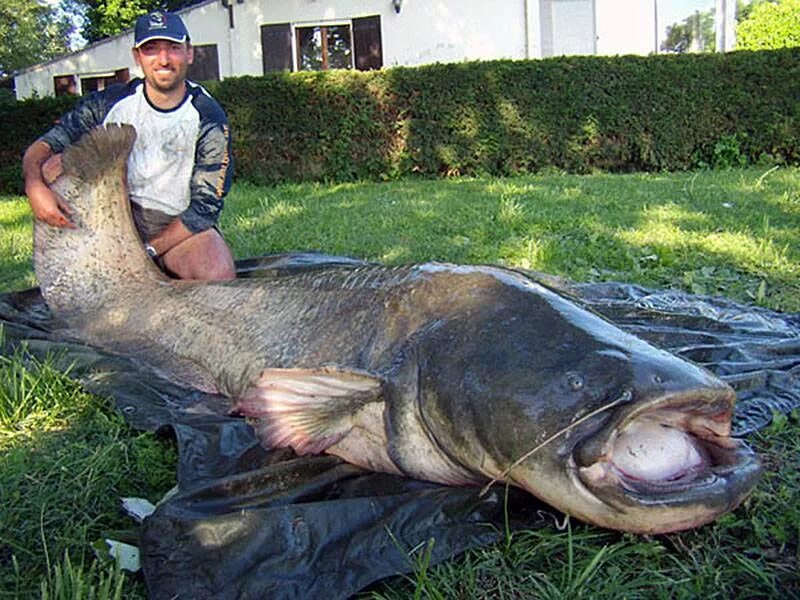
(251,37)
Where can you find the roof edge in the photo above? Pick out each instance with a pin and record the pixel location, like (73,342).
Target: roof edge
(98,43)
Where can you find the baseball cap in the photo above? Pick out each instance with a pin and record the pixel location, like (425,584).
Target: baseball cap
(159,26)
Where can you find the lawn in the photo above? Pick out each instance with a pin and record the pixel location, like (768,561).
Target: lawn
(66,458)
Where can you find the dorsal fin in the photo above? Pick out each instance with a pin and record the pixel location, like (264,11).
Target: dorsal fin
(103,149)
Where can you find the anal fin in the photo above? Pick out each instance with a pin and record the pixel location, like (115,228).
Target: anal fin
(308,410)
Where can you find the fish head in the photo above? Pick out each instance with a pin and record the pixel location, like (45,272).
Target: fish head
(655,456)
(594,421)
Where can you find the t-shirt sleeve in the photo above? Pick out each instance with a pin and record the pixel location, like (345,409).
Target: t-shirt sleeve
(212,174)
(87,114)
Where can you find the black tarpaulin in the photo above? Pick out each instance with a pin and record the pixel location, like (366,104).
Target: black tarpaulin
(248,523)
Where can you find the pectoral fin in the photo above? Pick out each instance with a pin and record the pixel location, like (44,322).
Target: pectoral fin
(307,409)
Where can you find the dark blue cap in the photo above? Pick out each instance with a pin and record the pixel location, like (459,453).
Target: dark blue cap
(159,26)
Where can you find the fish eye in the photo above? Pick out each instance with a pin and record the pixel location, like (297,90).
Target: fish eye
(575,382)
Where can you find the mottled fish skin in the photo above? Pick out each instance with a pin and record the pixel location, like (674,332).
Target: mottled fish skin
(440,372)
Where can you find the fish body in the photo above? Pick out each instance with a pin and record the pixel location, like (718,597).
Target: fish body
(454,374)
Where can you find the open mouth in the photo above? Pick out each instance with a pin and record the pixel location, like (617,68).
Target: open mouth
(675,450)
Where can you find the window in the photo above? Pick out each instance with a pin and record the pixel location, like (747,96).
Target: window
(324,47)
(65,85)
(102,81)
(367,41)
(353,44)
(276,47)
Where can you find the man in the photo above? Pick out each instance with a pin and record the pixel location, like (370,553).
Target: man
(180,168)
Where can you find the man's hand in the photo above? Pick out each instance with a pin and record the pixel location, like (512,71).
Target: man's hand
(175,233)
(40,168)
(47,206)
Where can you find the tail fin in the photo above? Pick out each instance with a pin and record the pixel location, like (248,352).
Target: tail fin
(104,248)
(102,149)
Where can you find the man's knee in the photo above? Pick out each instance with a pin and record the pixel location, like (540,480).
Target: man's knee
(220,269)
(204,256)
(221,264)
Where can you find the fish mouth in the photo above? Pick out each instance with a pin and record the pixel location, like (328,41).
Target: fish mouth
(669,465)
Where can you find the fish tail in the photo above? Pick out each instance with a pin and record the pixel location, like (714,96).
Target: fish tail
(103,150)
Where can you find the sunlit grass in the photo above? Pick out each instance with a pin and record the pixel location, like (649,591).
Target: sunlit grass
(664,230)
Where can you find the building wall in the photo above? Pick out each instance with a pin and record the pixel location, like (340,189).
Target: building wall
(101,58)
(423,31)
(567,27)
(626,27)
(207,24)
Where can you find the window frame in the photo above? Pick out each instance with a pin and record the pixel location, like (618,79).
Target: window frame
(321,24)
(279,43)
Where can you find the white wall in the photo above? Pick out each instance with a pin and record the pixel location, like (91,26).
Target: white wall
(103,57)
(207,24)
(568,27)
(445,31)
(626,27)
(424,31)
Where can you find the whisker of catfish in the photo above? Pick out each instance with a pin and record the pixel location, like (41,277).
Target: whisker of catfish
(623,398)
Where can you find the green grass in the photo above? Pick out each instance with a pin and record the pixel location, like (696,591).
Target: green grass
(733,233)
(66,457)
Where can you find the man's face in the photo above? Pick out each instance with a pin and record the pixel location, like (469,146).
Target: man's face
(164,63)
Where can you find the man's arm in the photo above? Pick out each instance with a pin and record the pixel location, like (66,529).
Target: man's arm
(213,168)
(171,236)
(40,167)
(41,163)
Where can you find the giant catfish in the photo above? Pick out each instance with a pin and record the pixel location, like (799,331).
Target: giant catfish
(454,374)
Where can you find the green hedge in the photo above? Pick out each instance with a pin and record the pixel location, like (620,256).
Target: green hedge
(665,112)
(20,124)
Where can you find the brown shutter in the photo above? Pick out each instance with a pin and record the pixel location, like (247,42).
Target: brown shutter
(367,42)
(276,47)
(206,63)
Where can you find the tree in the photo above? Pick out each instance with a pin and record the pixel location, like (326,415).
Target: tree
(31,32)
(104,18)
(695,33)
(770,25)
(745,7)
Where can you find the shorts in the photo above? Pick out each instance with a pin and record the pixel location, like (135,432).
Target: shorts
(149,222)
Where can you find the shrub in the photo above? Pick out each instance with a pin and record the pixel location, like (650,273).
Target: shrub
(578,114)
(770,25)
(20,124)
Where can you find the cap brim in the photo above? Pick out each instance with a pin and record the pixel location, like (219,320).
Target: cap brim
(179,40)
